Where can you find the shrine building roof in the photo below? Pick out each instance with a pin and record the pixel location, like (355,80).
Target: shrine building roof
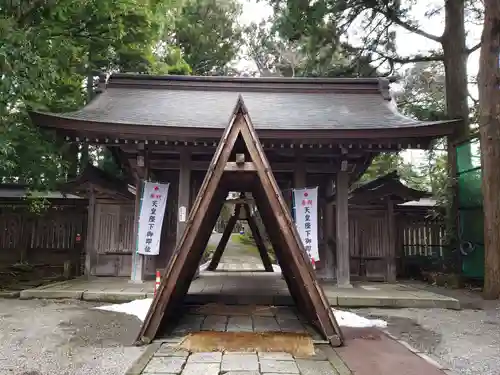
(131,104)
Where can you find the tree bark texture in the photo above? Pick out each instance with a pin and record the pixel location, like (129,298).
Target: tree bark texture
(489,106)
(455,55)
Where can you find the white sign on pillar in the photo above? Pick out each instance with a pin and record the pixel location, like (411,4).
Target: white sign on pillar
(306,220)
(182,214)
(152,210)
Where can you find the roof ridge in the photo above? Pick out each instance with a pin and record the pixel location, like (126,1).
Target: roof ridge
(375,85)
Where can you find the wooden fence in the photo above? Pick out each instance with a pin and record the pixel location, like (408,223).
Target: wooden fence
(50,238)
(421,246)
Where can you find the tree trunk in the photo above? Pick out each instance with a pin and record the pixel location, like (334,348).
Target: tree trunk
(489,119)
(455,65)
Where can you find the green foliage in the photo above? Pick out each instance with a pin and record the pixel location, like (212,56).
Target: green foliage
(47,52)
(289,47)
(208,34)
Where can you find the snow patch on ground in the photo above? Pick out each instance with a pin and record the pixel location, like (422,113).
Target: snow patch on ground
(140,307)
(350,319)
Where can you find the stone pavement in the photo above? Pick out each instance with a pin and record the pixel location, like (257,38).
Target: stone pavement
(244,287)
(167,355)
(367,351)
(165,359)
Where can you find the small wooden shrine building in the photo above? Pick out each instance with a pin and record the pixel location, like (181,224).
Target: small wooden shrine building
(315,132)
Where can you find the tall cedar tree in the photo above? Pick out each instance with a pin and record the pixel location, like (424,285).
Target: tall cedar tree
(489,105)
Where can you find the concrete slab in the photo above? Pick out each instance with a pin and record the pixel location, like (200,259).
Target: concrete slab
(54,293)
(9,294)
(241,288)
(201,369)
(240,362)
(169,365)
(278,367)
(112,296)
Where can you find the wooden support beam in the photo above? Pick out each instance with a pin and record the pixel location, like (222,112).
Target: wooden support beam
(327,260)
(184,193)
(300,172)
(240,201)
(196,165)
(343,256)
(224,239)
(136,272)
(264,255)
(232,166)
(90,250)
(391,251)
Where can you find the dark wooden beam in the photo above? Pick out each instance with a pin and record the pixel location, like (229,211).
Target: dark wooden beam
(221,246)
(259,242)
(277,167)
(342,222)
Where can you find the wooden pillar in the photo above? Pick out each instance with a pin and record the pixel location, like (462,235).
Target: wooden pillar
(184,193)
(391,252)
(300,173)
(328,261)
(184,197)
(137,271)
(259,242)
(342,221)
(90,250)
(221,246)
(138,260)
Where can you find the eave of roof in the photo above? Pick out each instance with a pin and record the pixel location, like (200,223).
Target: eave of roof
(188,106)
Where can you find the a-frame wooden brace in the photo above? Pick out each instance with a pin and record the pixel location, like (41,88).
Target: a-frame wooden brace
(239,164)
(259,242)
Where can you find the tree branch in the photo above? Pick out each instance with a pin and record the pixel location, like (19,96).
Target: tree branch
(473,49)
(405,25)
(411,59)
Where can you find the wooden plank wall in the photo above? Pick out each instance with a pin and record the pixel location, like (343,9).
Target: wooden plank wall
(48,238)
(416,235)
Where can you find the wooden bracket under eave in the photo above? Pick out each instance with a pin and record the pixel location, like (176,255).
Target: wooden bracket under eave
(232,166)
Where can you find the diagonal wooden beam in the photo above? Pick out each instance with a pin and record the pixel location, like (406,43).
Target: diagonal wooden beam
(264,255)
(221,246)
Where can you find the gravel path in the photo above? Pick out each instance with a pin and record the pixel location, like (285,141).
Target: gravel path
(466,341)
(39,337)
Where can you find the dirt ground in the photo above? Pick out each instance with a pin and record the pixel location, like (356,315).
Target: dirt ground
(466,341)
(39,337)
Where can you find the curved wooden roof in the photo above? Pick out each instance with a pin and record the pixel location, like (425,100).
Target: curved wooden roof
(165,105)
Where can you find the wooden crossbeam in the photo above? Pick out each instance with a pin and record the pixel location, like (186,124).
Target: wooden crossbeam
(296,268)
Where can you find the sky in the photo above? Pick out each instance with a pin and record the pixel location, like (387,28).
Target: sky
(407,43)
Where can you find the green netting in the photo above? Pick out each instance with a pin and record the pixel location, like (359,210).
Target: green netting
(471,208)
(469,189)
(468,156)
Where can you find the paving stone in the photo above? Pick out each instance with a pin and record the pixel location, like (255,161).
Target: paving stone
(310,367)
(242,373)
(239,324)
(214,323)
(278,367)
(164,365)
(277,356)
(169,350)
(291,325)
(201,369)
(286,313)
(240,362)
(265,324)
(190,323)
(319,355)
(205,357)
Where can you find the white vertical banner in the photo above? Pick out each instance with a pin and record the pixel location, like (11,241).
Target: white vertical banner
(152,210)
(306,220)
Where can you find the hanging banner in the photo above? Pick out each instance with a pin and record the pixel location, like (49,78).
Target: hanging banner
(306,219)
(152,210)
